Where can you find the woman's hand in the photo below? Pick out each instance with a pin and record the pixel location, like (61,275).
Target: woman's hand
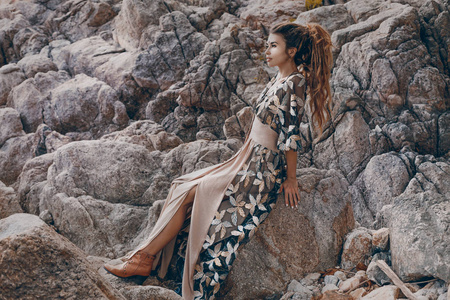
(291,194)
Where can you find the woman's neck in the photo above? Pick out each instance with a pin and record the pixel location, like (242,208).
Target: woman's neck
(285,71)
(281,77)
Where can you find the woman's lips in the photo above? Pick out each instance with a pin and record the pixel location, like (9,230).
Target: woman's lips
(269,59)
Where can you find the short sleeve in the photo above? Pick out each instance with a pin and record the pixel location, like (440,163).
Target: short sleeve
(290,113)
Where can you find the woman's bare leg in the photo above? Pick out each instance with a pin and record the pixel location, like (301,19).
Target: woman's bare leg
(172,228)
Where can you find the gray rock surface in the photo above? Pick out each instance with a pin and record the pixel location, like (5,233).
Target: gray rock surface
(10,76)
(29,97)
(385,176)
(374,273)
(149,134)
(14,153)
(9,203)
(149,293)
(58,268)
(10,124)
(84,105)
(422,224)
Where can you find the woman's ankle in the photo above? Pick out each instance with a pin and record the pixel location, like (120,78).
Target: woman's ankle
(147,252)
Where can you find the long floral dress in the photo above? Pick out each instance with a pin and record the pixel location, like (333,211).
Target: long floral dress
(251,195)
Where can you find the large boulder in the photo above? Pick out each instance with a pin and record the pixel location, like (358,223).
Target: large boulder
(171,49)
(106,61)
(10,124)
(418,220)
(116,172)
(32,180)
(293,242)
(10,76)
(29,97)
(96,226)
(332,17)
(18,36)
(16,147)
(385,177)
(261,14)
(133,18)
(84,105)
(419,236)
(348,149)
(36,262)
(33,64)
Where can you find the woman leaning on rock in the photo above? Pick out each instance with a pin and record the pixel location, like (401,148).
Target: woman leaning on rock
(211,213)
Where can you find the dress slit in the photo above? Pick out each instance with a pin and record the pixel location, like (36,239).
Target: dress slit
(212,183)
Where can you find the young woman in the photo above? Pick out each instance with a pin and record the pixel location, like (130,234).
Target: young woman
(211,213)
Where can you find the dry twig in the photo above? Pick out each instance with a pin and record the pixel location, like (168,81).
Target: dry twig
(386,269)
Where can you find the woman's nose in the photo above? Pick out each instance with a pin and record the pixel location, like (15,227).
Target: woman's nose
(267,51)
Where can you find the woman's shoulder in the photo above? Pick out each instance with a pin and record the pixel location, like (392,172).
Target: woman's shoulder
(297,77)
(294,83)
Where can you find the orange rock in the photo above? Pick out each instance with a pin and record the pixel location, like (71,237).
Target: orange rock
(334,295)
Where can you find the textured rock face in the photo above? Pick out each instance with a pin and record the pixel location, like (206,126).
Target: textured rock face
(279,251)
(422,224)
(9,203)
(418,219)
(38,262)
(356,247)
(84,104)
(104,103)
(384,177)
(29,97)
(149,293)
(13,155)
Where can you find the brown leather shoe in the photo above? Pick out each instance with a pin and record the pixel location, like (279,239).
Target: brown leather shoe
(139,264)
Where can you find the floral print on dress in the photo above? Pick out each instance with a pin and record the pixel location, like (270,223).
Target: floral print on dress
(251,195)
(283,109)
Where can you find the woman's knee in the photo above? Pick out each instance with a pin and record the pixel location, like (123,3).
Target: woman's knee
(190,197)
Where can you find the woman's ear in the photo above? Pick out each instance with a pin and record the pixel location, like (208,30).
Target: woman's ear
(292,52)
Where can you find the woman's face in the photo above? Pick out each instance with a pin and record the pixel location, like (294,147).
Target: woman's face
(276,55)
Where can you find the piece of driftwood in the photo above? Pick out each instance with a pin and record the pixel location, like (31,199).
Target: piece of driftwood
(386,269)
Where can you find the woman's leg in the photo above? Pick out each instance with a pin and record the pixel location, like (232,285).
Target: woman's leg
(172,228)
(142,261)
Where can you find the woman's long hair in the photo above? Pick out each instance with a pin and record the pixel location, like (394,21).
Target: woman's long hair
(313,44)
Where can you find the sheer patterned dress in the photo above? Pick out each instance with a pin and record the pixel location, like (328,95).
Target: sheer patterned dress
(232,198)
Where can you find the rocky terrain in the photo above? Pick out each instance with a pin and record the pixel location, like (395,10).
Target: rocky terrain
(104,102)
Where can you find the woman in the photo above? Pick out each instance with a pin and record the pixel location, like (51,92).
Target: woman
(211,213)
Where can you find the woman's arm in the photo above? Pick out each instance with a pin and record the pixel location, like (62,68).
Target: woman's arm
(290,185)
(289,138)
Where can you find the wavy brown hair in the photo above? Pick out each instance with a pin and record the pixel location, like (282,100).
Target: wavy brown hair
(313,44)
